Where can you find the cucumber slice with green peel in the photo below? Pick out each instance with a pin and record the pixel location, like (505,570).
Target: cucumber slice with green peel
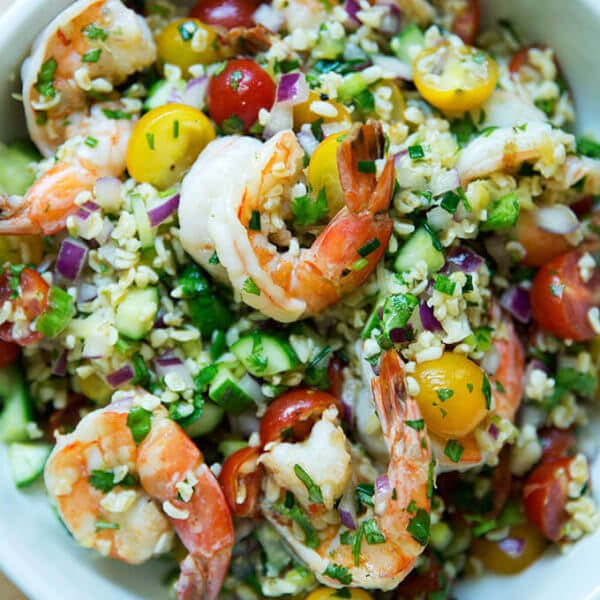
(227,392)
(263,354)
(421,245)
(352,85)
(161,92)
(374,319)
(145,231)
(208,421)
(16,410)
(403,43)
(15,176)
(137,312)
(27,461)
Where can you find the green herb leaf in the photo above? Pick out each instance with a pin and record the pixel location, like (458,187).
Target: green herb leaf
(453,450)
(444,284)
(417,425)
(214,259)
(45,80)
(58,314)
(93,32)
(503,213)
(463,129)
(250,287)
(314,491)
(341,574)
(92,56)
(307,212)
(372,532)
(365,493)
(416,152)
(366,166)
(450,202)
(444,394)
(139,422)
(418,526)
(102,480)
(254,223)
(588,147)
(290,509)
(486,390)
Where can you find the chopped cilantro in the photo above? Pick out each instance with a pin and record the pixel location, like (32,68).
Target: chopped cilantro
(45,80)
(314,491)
(139,422)
(116,114)
(453,450)
(450,202)
(250,287)
(307,212)
(102,480)
(254,223)
(93,32)
(372,532)
(290,509)
(418,526)
(93,56)
(444,394)
(588,147)
(364,102)
(341,574)
(463,129)
(417,425)
(486,390)
(503,213)
(214,259)
(316,129)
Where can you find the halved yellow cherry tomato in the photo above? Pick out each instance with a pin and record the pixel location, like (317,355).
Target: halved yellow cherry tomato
(323,171)
(187,42)
(166,142)
(453,395)
(523,546)
(304,114)
(455,79)
(324,593)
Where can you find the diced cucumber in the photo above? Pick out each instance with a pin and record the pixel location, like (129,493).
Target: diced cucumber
(327,47)
(16,406)
(352,86)
(403,44)
(145,231)
(229,447)
(208,421)
(161,91)
(137,312)
(421,245)
(15,176)
(27,461)
(263,354)
(58,314)
(226,391)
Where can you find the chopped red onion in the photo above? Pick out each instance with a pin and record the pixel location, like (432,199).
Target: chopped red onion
(60,366)
(281,118)
(392,19)
(175,96)
(348,412)
(346,518)
(517,302)
(120,376)
(514,547)
(90,206)
(268,16)
(71,257)
(352,7)
(83,214)
(292,89)
(195,92)
(428,320)
(107,191)
(493,431)
(463,259)
(86,293)
(401,335)
(398,157)
(161,212)
(168,363)
(558,219)
(307,140)
(382,485)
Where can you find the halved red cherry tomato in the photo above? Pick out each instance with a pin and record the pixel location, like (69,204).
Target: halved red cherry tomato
(466,21)
(64,420)
(520,59)
(545,497)
(227,13)
(335,373)
(236,95)
(293,414)
(556,443)
(561,300)
(426,580)
(240,479)
(9,352)
(31,296)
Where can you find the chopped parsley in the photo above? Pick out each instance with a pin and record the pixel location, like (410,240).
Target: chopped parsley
(214,259)
(503,213)
(307,212)
(235,77)
(366,166)
(486,390)
(139,422)
(105,480)
(250,287)
(45,80)
(290,509)
(453,450)
(341,574)
(444,394)
(416,152)
(417,425)
(418,526)
(254,222)
(314,491)
(93,56)
(588,147)
(93,32)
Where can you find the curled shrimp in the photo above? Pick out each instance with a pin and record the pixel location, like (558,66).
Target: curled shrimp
(303,486)
(125,500)
(216,207)
(87,50)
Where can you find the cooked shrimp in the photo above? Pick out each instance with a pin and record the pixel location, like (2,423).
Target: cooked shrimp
(216,208)
(393,532)
(91,46)
(507,147)
(92,476)
(91,41)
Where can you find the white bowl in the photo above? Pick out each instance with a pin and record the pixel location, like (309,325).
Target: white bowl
(35,550)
